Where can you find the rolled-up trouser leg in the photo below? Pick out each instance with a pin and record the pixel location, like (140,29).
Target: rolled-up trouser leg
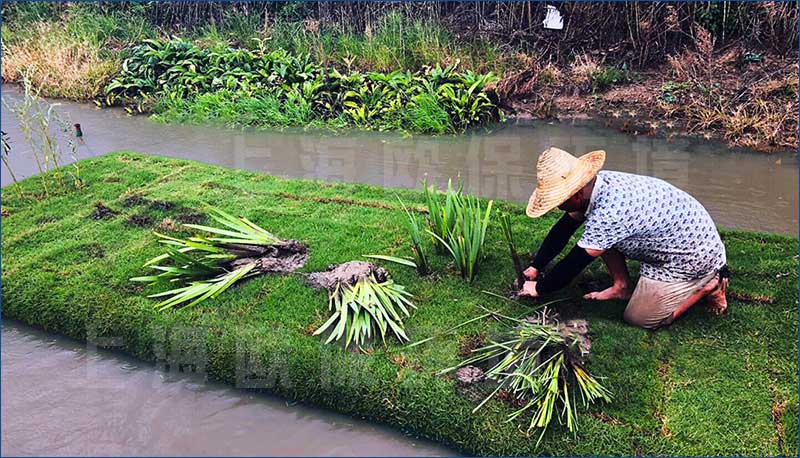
(653,301)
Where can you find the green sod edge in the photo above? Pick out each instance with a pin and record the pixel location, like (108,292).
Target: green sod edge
(676,390)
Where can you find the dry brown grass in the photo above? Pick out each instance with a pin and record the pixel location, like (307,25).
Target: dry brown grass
(582,69)
(57,64)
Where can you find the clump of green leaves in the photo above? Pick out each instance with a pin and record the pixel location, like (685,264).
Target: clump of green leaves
(442,212)
(465,240)
(367,310)
(203,265)
(607,76)
(541,365)
(457,224)
(179,80)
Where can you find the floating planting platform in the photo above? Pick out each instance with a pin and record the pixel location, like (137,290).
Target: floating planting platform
(707,385)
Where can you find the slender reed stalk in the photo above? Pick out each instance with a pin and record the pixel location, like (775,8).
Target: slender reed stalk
(505,224)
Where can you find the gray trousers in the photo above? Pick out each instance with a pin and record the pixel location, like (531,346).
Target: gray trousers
(653,301)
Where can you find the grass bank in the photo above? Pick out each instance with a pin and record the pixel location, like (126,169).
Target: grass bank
(705,386)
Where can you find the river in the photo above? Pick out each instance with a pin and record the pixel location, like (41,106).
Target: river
(62,398)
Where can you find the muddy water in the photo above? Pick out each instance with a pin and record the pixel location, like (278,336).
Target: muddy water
(64,398)
(740,189)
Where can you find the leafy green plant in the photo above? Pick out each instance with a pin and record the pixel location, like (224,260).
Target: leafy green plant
(367,310)
(205,267)
(505,224)
(465,240)
(442,215)
(542,368)
(606,77)
(670,90)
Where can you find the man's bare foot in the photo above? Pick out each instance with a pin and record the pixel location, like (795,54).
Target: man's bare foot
(716,302)
(613,292)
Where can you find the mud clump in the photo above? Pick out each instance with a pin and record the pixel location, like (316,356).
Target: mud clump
(102,212)
(349,272)
(140,220)
(285,257)
(573,331)
(468,375)
(168,224)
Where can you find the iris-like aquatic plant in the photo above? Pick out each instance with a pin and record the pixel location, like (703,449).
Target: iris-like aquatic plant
(442,214)
(205,267)
(465,240)
(367,310)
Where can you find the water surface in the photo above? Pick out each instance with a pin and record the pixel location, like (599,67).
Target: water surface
(63,398)
(740,189)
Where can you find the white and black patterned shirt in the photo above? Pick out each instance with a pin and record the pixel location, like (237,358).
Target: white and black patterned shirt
(651,221)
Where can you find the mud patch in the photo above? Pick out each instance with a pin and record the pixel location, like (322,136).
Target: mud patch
(508,397)
(132,200)
(139,220)
(161,205)
(349,272)
(102,212)
(285,257)
(469,343)
(93,250)
(190,218)
(751,298)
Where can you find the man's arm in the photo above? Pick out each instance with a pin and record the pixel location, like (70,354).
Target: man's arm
(556,240)
(563,272)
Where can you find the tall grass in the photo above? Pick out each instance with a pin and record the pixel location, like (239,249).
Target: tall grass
(385,33)
(49,136)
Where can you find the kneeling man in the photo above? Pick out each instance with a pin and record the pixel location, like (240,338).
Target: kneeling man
(627,216)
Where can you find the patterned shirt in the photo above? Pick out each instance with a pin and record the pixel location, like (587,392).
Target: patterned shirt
(651,221)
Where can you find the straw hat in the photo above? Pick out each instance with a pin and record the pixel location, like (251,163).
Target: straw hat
(559,175)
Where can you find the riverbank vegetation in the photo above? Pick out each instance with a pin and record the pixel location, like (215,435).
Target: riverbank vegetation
(719,69)
(177,80)
(705,385)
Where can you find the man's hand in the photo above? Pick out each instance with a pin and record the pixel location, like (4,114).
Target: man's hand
(530,273)
(529,289)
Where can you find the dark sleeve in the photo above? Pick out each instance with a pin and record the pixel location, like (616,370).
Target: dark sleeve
(563,272)
(555,241)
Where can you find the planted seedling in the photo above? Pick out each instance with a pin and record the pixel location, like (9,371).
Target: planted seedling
(465,240)
(505,224)
(442,215)
(366,310)
(420,260)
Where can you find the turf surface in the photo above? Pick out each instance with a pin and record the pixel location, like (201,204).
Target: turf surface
(705,386)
